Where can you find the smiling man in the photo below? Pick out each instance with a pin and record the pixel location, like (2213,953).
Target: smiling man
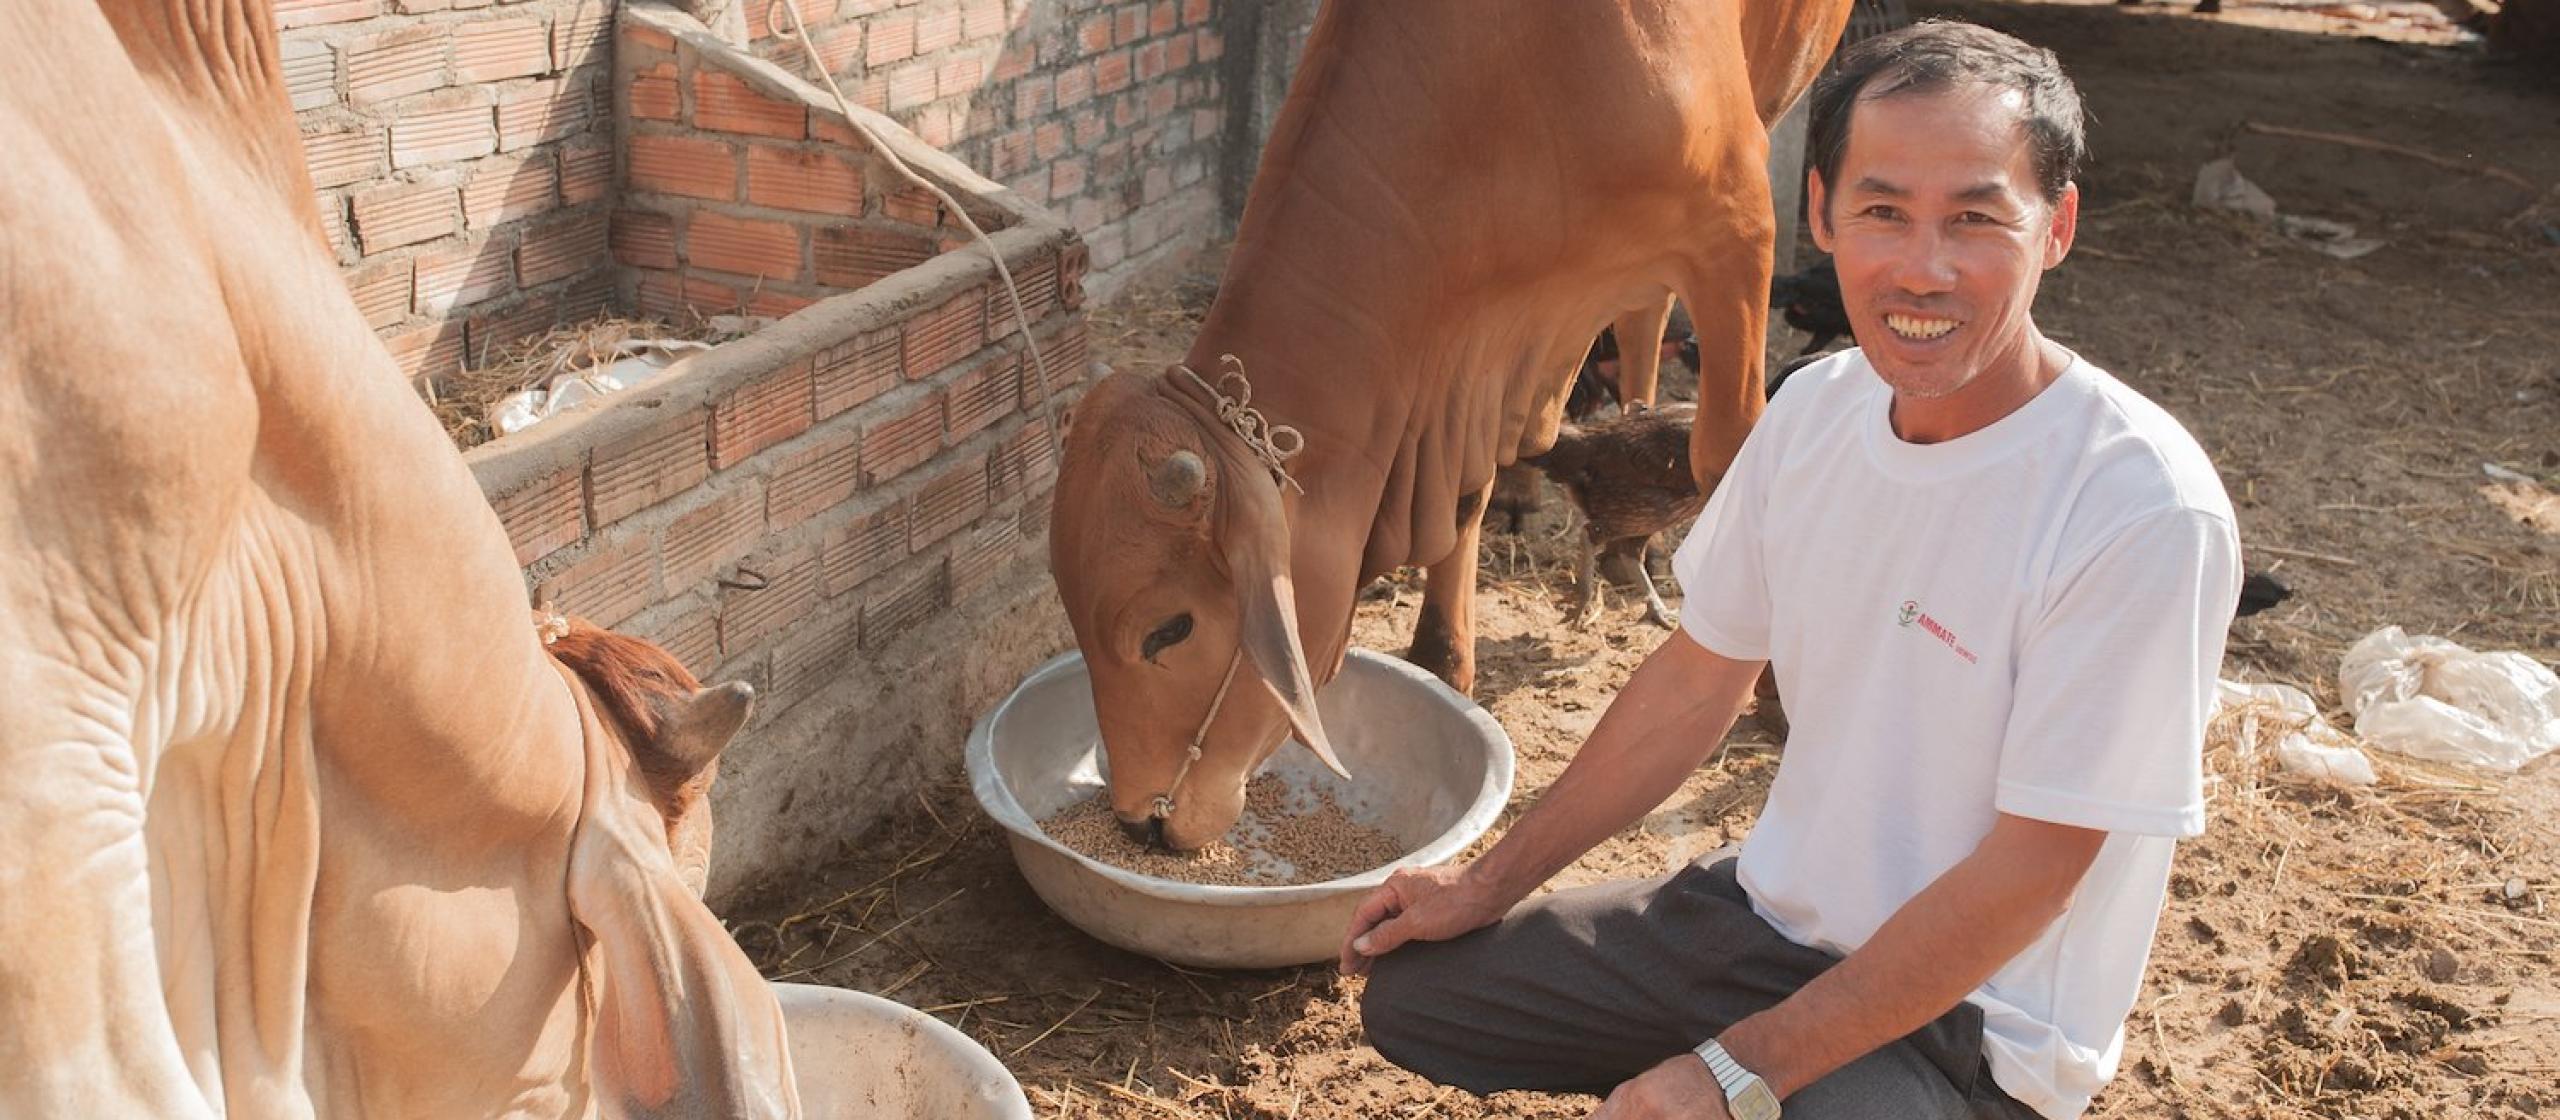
(1994,584)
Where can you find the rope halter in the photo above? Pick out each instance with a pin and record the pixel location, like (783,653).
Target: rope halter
(1274,444)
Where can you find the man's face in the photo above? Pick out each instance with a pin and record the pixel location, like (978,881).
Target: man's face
(1940,236)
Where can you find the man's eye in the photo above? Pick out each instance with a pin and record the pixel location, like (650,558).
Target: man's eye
(1166,636)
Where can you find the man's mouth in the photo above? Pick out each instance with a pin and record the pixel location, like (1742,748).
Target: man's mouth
(1916,328)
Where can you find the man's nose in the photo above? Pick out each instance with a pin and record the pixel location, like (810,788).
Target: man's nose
(1925,267)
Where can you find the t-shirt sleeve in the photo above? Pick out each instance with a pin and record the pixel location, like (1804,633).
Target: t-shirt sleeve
(2116,680)
(1723,582)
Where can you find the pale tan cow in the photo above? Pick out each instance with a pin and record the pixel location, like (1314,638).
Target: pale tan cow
(299,816)
(1457,195)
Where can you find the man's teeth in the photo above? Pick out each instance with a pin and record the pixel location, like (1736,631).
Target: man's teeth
(1909,326)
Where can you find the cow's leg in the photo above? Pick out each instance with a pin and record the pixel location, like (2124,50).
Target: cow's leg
(1640,352)
(1444,637)
(1726,288)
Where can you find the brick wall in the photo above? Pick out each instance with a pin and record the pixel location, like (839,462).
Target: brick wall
(1111,112)
(463,154)
(845,508)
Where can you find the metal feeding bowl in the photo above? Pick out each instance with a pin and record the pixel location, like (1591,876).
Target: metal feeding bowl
(1429,767)
(856,1056)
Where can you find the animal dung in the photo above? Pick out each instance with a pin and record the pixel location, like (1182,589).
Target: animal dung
(1283,838)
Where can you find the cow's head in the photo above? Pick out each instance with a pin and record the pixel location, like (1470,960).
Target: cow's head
(1170,546)
(684,1025)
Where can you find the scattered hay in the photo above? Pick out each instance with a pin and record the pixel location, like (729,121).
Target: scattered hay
(462,400)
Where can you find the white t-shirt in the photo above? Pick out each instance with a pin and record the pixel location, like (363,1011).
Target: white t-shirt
(2028,619)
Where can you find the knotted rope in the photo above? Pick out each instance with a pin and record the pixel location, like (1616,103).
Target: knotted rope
(1248,423)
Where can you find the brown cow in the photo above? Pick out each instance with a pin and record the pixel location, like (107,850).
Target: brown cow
(1457,195)
(302,817)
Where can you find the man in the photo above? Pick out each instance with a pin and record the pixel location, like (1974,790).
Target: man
(1994,584)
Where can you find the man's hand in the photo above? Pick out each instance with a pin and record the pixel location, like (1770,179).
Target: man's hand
(1415,904)
(1678,1089)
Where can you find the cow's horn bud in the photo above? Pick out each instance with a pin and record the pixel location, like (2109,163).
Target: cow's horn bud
(1177,479)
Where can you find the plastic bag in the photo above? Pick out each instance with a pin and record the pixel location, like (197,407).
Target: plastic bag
(2430,698)
(2306,744)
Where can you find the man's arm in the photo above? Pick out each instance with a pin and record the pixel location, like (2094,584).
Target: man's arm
(1936,949)
(1671,716)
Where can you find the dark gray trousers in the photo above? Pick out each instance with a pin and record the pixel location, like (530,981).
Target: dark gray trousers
(1581,989)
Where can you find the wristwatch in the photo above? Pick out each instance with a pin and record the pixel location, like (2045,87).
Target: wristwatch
(1745,1095)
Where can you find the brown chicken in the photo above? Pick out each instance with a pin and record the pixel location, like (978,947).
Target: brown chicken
(1629,475)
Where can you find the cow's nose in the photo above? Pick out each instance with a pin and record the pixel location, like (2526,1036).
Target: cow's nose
(1146,832)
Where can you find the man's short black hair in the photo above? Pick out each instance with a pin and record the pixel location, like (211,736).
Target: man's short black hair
(1937,54)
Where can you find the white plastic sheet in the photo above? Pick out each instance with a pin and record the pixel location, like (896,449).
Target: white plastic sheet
(2430,698)
(2304,743)
(638,360)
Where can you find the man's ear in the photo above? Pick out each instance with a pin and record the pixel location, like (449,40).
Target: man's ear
(2065,225)
(1818,208)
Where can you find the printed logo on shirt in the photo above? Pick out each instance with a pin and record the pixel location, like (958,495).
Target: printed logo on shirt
(1911,612)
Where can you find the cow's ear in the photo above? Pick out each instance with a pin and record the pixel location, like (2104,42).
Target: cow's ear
(1254,533)
(693,730)
(684,1025)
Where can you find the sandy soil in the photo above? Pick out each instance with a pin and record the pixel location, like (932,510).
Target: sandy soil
(2326,953)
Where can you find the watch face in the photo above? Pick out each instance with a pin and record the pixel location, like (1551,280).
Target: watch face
(1754,1102)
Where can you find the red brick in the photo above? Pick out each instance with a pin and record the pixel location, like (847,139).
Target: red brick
(644,239)
(685,166)
(724,104)
(1204,123)
(937,30)
(1072,262)
(441,136)
(342,157)
(839,48)
(1038,283)
(853,372)
(586,170)
(543,517)
(396,64)
(577,36)
(952,500)
(893,38)
(853,256)
(650,466)
(946,334)
(505,188)
(310,72)
(790,592)
(1210,45)
(657,295)
(1068,355)
(494,334)
(910,85)
(546,111)
(814,656)
(1075,86)
(978,558)
(1023,464)
(496,49)
(586,299)
(389,217)
(1159,107)
(707,539)
(913,206)
(650,38)
(1093,36)
(561,249)
(1066,177)
(746,246)
(774,408)
(654,94)
(891,446)
(900,607)
(770,303)
(1162,18)
(813,480)
(1033,97)
(1151,63)
(333,223)
(982,19)
(854,552)
(309,13)
(451,277)
(811,182)
(428,353)
(1089,128)
(1195,11)
(959,76)
(1129,24)
(977,398)
(608,585)
(1177,52)
(693,637)
(381,291)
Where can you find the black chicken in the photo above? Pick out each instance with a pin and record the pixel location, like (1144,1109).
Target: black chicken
(1810,302)
(1516,488)
(2259,591)
(1629,474)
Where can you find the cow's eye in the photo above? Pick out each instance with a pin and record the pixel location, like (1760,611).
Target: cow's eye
(1166,636)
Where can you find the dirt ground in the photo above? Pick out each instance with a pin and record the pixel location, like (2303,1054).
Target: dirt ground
(2326,953)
